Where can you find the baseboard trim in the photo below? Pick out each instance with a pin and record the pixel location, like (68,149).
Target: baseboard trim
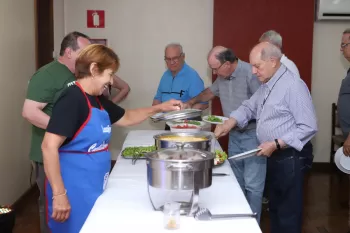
(22,200)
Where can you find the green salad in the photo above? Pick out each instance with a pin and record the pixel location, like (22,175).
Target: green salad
(220,157)
(136,150)
(214,119)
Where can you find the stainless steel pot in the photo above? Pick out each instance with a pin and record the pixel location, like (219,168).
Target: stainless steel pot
(162,142)
(180,168)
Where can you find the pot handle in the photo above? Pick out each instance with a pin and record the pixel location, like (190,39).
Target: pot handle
(180,165)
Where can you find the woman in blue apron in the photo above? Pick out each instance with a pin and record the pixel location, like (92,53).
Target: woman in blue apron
(75,147)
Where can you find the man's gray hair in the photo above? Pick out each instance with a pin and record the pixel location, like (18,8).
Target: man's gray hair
(346,31)
(172,45)
(272,37)
(271,51)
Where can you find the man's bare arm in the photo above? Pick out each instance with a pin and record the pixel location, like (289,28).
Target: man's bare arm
(156,102)
(200,106)
(32,111)
(204,96)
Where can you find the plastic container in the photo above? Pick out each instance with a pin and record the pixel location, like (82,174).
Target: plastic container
(172,215)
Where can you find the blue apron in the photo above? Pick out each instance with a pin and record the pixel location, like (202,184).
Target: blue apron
(85,164)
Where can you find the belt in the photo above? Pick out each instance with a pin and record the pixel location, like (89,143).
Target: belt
(245,128)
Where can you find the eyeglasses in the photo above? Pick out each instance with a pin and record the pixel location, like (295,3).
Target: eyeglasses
(174,59)
(216,69)
(343,46)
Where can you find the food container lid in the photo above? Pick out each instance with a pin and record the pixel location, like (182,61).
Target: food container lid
(177,115)
(180,155)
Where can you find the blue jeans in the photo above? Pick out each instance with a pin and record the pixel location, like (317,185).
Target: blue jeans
(286,170)
(250,172)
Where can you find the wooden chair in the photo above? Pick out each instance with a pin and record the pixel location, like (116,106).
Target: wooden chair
(337,138)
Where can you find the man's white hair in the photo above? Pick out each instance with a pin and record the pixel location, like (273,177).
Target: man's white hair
(172,45)
(271,51)
(272,37)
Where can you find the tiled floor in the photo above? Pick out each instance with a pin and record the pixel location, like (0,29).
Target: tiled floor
(326,208)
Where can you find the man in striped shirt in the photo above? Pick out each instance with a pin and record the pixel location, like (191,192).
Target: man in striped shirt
(236,83)
(286,122)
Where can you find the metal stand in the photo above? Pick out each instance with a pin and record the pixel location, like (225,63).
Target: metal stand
(187,208)
(194,201)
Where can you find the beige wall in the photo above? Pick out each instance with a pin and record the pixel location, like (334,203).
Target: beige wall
(17,64)
(138,31)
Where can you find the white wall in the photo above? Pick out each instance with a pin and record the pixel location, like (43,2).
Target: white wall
(138,31)
(328,69)
(17,64)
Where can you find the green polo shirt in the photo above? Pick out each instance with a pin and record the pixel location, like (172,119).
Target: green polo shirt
(45,86)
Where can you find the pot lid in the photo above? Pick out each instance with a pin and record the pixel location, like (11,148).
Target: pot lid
(183,155)
(177,115)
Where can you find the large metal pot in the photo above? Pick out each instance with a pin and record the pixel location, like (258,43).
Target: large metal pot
(180,168)
(173,140)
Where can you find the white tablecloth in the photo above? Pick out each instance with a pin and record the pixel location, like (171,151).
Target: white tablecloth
(125,203)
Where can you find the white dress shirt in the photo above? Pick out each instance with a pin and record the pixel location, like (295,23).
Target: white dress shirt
(290,65)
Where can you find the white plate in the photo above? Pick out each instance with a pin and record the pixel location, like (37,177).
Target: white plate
(245,154)
(205,118)
(340,161)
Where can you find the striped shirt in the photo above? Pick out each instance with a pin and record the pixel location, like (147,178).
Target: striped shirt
(239,87)
(283,109)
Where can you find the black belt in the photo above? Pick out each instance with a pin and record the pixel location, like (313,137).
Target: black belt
(252,121)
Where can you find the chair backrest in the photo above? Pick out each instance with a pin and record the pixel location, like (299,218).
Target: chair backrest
(335,120)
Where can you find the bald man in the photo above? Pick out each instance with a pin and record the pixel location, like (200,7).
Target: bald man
(236,83)
(286,122)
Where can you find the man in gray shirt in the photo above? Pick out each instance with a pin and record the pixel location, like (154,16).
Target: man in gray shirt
(236,83)
(344,98)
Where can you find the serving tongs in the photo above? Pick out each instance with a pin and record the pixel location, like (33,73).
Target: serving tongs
(203,214)
(135,157)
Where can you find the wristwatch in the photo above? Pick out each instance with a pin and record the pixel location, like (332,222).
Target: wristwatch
(277,144)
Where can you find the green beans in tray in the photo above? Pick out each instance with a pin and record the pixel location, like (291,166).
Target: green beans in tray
(130,152)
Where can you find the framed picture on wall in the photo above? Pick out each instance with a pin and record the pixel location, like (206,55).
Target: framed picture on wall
(99,41)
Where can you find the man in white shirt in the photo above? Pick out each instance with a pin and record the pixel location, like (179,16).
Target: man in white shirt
(275,38)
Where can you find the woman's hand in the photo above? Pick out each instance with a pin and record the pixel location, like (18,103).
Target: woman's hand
(61,208)
(171,105)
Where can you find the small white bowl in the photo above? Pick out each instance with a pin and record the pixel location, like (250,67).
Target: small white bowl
(188,130)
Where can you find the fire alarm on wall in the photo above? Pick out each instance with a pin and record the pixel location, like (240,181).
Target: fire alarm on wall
(95,18)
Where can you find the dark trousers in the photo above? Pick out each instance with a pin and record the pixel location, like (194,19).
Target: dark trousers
(194,119)
(40,180)
(286,170)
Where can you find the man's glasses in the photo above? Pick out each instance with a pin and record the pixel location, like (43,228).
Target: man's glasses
(173,59)
(343,46)
(216,69)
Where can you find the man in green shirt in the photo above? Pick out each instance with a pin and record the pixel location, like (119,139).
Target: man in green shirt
(44,88)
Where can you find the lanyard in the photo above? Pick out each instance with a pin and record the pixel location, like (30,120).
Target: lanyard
(273,87)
